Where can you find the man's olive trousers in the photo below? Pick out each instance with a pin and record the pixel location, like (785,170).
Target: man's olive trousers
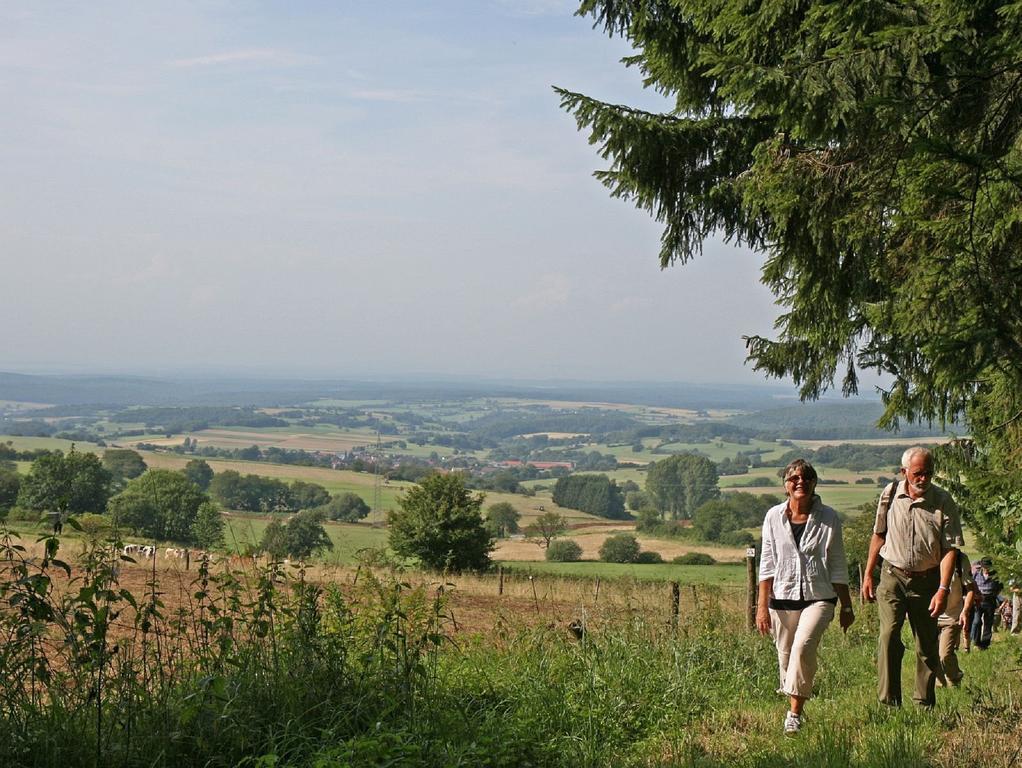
(902,594)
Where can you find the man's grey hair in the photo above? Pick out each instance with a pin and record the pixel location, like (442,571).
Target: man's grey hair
(911,453)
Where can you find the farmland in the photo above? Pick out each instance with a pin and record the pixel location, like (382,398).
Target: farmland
(461,435)
(554,664)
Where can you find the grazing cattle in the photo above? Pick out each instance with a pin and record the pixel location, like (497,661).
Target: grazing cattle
(131,549)
(148,552)
(175,553)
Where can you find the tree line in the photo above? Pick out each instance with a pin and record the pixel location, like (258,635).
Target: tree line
(181,506)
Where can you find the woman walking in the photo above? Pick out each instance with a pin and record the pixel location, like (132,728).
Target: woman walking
(802,575)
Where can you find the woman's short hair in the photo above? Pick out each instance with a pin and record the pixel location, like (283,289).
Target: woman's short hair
(804,467)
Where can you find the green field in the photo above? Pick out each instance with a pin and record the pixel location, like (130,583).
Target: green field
(728,574)
(348,538)
(843,498)
(48,443)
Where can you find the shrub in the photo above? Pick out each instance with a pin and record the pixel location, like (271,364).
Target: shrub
(346,508)
(648,519)
(737,539)
(24,515)
(694,558)
(94,525)
(564,551)
(620,548)
(648,558)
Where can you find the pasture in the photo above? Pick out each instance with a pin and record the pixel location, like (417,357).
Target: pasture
(728,574)
(592,537)
(243,532)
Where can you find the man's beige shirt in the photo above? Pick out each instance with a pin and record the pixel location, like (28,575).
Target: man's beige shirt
(918,531)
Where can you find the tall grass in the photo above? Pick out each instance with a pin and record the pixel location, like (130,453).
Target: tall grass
(268,667)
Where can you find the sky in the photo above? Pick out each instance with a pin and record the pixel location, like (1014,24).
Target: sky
(336,189)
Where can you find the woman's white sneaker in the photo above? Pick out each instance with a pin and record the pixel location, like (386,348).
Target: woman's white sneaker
(792,723)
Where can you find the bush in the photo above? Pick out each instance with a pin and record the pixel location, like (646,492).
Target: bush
(94,525)
(737,539)
(694,558)
(564,551)
(23,515)
(648,519)
(758,481)
(648,558)
(346,508)
(620,548)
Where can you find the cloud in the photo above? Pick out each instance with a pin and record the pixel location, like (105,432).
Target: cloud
(539,7)
(389,95)
(551,290)
(262,55)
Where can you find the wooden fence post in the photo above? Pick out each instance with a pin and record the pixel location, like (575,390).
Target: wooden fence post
(188,558)
(675,603)
(500,579)
(750,597)
(596,597)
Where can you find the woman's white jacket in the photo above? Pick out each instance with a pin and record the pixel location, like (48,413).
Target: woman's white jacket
(810,570)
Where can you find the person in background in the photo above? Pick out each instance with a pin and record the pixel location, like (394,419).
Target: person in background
(989,587)
(1016,606)
(967,634)
(954,619)
(802,575)
(917,532)
(1004,612)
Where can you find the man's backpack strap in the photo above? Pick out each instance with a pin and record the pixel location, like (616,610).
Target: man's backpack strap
(890,491)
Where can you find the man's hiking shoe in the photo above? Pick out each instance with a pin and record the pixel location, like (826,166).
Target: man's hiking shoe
(792,723)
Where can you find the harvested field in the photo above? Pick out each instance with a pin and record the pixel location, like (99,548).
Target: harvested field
(229,438)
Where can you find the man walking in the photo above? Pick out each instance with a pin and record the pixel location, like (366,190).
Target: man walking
(917,532)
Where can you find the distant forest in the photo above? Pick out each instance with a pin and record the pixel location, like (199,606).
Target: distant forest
(849,420)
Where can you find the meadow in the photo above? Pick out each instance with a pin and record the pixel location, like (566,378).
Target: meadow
(271,666)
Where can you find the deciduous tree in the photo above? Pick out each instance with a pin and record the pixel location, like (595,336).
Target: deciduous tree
(66,484)
(546,527)
(300,537)
(208,526)
(161,504)
(440,523)
(199,472)
(502,519)
(123,464)
(680,484)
